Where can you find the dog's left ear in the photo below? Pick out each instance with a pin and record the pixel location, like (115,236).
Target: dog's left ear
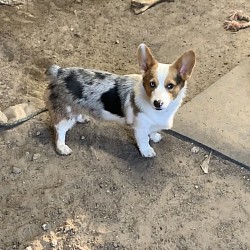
(185,64)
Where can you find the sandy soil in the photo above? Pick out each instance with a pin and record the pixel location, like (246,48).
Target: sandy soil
(105,195)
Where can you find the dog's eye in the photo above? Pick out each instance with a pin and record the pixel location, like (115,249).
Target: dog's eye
(170,86)
(152,84)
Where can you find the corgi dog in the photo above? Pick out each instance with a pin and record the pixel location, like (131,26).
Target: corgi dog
(146,101)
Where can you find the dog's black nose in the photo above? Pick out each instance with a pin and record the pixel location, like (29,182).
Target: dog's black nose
(158,103)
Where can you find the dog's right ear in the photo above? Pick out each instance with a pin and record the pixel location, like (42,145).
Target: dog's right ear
(145,58)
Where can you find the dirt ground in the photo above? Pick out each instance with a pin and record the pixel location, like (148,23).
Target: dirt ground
(105,195)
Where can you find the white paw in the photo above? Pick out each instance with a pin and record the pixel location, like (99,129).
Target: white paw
(148,152)
(63,150)
(155,137)
(83,119)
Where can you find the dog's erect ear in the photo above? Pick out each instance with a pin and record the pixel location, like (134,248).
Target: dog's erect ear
(145,58)
(185,64)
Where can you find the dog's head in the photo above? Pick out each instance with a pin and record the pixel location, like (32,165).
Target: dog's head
(163,82)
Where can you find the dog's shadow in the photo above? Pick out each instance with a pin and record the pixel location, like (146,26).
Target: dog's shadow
(97,136)
(115,140)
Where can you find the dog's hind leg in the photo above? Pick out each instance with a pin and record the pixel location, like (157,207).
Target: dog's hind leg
(61,129)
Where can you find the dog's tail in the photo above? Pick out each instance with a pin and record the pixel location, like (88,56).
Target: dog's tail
(52,72)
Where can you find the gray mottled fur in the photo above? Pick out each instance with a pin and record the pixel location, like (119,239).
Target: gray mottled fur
(93,84)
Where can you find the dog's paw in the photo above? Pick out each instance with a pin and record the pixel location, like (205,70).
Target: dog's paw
(148,152)
(63,150)
(155,137)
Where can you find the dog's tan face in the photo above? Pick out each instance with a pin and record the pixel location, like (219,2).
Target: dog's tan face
(163,82)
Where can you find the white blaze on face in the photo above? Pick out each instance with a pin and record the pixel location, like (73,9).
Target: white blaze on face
(160,93)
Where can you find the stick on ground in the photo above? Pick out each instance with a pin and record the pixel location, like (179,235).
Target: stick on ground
(139,6)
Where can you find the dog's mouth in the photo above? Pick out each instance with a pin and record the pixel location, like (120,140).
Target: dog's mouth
(158,108)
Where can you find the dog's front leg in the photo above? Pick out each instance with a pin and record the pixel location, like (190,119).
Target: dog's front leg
(142,139)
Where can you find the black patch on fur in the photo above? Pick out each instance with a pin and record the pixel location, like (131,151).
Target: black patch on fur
(178,79)
(74,86)
(100,75)
(112,102)
(60,71)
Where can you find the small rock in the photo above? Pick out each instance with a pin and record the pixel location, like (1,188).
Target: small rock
(36,156)
(53,243)
(59,229)
(70,46)
(66,229)
(195,150)
(22,110)
(64,29)
(12,2)
(77,34)
(38,133)
(196,187)
(3,117)
(16,170)
(59,211)
(117,42)
(45,227)
(82,137)
(28,248)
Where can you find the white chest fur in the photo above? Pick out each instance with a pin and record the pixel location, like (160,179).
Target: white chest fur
(156,120)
